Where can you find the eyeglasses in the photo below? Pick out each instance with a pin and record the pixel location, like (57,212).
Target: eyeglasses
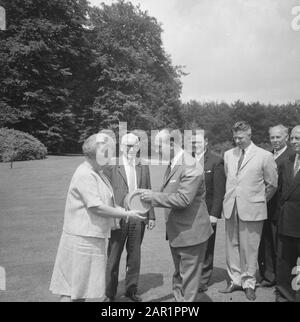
(134,147)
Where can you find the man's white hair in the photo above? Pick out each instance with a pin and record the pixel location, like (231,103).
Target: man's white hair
(283,128)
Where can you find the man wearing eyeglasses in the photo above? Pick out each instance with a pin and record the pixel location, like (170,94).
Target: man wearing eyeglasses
(128,175)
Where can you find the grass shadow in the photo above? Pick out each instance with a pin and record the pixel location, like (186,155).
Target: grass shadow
(219,275)
(146,282)
(164,298)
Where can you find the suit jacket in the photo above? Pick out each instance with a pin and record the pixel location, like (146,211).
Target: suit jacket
(215,181)
(252,186)
(118,180)
(273,204)
(289,193)
(183,193)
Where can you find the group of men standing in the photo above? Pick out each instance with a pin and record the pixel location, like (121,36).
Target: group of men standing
(257,191)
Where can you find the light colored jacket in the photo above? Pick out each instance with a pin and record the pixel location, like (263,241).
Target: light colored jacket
(252,186)
(87,189)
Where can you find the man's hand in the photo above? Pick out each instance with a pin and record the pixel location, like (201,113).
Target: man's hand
(147,196)
(213,220)
(150,224)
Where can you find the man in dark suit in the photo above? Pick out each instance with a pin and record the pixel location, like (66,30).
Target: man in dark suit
(187,219)
(125,177)
(289,224)
(267,255)
(215,182)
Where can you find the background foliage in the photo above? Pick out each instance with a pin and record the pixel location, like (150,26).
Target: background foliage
(18,146)
(68,70)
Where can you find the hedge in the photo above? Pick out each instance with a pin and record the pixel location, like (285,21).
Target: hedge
(19,146)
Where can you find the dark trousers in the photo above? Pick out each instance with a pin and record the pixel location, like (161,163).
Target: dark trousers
(208,263)
(131,234)
(288,258)
(267,253)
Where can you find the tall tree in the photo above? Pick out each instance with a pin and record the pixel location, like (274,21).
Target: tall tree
(44,57)
(136,81)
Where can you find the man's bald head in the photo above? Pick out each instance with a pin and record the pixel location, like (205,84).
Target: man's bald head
(296,128)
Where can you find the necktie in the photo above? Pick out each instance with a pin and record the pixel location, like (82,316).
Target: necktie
(241,159)
(131,178)
(168,171)
(297,165)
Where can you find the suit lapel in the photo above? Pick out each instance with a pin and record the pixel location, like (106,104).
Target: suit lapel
(138,170)
(290,170)
(173,171)
(206,156)
(234,163)
(297,179)
(293,182)
(249,156)
(123,173)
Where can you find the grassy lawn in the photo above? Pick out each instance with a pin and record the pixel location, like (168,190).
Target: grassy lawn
(32,198)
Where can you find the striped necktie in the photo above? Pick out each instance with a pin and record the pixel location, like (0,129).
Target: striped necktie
(241,159)
(168,171)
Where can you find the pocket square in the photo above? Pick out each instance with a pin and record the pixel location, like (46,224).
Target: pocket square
(172,181)
(208,171)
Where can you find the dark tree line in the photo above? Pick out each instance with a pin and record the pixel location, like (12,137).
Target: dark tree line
(218,118)
(68,70)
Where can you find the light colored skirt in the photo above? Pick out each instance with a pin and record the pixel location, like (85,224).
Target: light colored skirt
(79,270)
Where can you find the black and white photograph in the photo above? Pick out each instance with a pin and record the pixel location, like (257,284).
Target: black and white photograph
(149,153)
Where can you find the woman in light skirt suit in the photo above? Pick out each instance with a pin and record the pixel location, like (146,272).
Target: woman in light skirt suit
(90,214)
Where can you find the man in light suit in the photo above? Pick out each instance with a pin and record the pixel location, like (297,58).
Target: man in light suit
(288,261)
(128,175)
(279,136)
(187,219)
(251,182)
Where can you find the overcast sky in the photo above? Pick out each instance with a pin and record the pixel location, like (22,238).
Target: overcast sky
(233,49)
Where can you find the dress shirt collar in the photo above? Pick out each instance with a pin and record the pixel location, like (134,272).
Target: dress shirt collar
(126,162)
(199,157)
(247,149)
(278,153)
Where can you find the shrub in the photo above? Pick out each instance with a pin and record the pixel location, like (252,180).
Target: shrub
(19,146)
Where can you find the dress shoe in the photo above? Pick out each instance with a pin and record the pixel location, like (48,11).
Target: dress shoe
(250,294)
(231,288)
(202,288)
(134,297)
(109,299)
